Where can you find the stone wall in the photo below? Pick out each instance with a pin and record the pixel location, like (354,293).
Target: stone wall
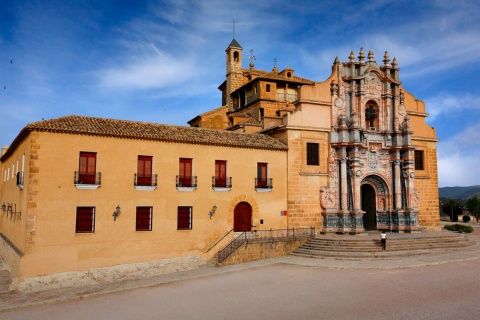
(11,258)
(253,251)
(110,274)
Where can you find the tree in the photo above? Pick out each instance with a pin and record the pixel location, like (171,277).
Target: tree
(452,208)
(473,205)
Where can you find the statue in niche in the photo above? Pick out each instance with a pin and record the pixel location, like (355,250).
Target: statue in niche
(353,119)
(371,115)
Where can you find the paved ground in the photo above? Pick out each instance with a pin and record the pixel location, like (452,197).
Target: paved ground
(15,300)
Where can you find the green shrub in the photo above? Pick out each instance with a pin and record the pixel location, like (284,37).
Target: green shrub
(466,219)
(459,228)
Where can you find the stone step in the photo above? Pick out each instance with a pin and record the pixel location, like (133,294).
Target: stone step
(396,246)
(5,281)
(370,247)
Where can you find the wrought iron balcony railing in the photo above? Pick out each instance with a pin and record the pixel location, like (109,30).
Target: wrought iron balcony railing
(263,183)
(149,180)
(87,178)
(187,182)
(222,182)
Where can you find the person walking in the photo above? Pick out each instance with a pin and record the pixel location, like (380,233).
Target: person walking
(383,237)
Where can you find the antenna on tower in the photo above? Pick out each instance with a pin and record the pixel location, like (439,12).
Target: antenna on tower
(234,27)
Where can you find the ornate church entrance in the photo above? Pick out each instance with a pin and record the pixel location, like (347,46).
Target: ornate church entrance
(368,205)
(242,217)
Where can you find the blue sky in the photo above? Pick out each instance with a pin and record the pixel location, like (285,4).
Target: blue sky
(162,61)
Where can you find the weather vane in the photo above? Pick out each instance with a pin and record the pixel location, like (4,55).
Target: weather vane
(251,57)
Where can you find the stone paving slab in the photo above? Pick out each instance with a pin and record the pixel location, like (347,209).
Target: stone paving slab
(16,299)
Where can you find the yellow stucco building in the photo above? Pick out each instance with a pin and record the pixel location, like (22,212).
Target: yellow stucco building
(346,155)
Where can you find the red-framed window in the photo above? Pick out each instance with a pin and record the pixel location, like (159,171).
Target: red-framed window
(144,170)
(144,219)
(262,175)
(85,220)
(220,173)
(184,218)
(185,172)
(87,167)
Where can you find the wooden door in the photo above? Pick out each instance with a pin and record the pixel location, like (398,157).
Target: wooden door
(242,217)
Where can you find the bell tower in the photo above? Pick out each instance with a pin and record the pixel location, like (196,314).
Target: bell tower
(234,70)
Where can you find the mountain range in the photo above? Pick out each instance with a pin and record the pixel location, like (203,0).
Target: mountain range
(459,192)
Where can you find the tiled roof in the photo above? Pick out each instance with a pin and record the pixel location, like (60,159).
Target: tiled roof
(127,129)
(224,108)
(235,44)
(276,76)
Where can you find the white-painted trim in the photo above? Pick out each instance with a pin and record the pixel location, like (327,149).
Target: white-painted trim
(148,188)
(218,189)
(188,189)
(87,186)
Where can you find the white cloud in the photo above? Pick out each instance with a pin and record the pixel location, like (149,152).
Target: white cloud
(155,70)
(449,103)
(458,158)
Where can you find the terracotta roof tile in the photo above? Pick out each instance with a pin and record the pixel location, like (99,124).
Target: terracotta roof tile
(127,129)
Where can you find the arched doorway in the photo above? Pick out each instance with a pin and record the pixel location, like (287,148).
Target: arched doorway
(369,206)
(242,217)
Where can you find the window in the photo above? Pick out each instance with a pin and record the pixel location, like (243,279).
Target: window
(312,154)
(185,173)
(184,218)
(220,173)
(262,175)
(144,219)
(419,160)
(85,220)
(267,88)
(144,171)
(87,168)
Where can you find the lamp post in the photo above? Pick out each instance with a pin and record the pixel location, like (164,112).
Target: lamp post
(116,213)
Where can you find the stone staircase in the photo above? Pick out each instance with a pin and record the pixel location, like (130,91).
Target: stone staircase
(368,247)
(5,278)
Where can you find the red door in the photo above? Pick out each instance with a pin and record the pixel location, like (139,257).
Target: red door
(242,217)
(220,173)
(87,167)
(262,175)
(185,172)
(144,171)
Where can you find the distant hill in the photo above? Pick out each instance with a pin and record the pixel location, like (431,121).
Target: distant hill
(459,192)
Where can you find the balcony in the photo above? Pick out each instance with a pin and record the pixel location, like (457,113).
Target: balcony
(186,183)
(145,182)
(89,181)
(263,184)
(222,184)
(287,97)
(20,180)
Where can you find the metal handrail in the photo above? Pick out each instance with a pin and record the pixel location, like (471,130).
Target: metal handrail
(231,247)
(264,235)
(226,234)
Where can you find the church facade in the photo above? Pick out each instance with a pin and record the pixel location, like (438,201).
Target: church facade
(360,154)
(346,155)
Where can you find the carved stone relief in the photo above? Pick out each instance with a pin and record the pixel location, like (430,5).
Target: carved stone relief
(372,160)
